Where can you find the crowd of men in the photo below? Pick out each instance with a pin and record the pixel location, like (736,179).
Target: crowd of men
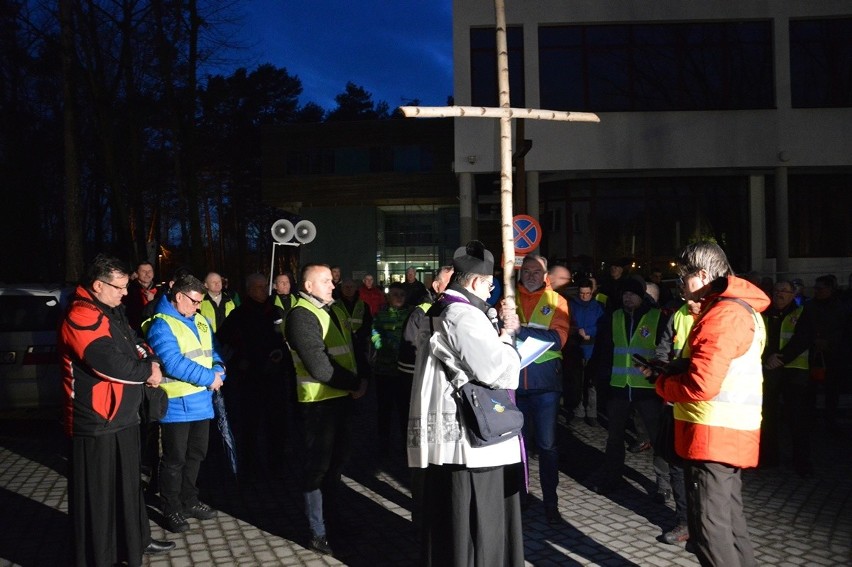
(713,378)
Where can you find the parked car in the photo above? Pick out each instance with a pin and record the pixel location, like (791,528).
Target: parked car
(29,364)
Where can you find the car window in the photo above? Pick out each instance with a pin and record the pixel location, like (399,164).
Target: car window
(28,313)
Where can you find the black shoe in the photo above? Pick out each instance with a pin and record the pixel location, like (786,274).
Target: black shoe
(662,496)
(157,547)
(320,545)
(552,516)
(176,523)
(591,421)
(200,511)
(606,486)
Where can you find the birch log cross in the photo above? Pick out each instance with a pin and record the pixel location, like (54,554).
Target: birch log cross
(505,113)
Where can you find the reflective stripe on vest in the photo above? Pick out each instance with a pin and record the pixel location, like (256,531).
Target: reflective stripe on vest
(542,315)
(198,351)
(338,344)
(682,321)
(352,320)
(642,342)
(788,327)
(207,309)
(740,399)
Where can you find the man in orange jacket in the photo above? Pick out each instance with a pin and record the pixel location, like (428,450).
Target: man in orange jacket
(717,403)
(542,314)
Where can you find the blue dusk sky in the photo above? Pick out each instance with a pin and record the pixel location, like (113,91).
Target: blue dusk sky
(397,50)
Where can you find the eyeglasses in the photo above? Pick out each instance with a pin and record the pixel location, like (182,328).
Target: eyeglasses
(681,281)
(195,302)
(490,283)
(118,287)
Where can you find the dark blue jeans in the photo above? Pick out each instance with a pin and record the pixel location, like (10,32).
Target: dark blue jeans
(540,409)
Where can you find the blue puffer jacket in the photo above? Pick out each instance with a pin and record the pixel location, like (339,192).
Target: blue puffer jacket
(193,407)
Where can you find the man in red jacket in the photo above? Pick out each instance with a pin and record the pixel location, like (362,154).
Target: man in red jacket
(717,403)
(106,368)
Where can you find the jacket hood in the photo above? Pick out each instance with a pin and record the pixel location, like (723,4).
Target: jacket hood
(732,286)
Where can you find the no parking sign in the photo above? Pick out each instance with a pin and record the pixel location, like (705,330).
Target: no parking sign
(526,234)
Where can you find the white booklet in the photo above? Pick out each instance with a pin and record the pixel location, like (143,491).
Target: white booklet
(531,349)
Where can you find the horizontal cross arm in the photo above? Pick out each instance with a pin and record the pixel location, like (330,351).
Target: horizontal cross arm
(490,112)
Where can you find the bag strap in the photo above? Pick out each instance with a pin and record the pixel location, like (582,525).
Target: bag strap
(447,372)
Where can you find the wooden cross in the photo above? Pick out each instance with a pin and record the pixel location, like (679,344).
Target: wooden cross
(505,113)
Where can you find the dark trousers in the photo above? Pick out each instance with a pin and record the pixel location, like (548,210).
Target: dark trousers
(785,406)
(648,404)
(393,394)
(184,448)
(105,503)
(717,525)
(261,418)
(327,435)
(472,517)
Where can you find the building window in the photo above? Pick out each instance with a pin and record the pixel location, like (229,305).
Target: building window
(818,217)
(821,63)
(647,67)
(483,66)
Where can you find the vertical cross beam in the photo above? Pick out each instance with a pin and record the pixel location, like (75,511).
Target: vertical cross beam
(505,113)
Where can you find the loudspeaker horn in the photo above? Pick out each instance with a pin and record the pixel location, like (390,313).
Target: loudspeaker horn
(305,231)
(283,231)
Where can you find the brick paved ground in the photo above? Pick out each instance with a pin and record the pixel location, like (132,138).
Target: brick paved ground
(792,521)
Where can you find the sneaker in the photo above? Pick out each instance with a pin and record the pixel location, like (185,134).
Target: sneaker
(176,523)
(662,496)
(320,545)
(200,511)
(678,534)
(639,446)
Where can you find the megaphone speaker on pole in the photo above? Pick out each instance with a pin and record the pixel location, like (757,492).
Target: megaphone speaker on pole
(283,231)
(305,231)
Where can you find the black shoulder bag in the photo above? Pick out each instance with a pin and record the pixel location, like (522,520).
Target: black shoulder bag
(489,415)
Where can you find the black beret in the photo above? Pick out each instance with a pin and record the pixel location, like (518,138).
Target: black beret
(473,258)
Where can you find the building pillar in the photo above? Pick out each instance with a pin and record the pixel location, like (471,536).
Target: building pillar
(782,231)
(757,221)
(532,195)
(467,191)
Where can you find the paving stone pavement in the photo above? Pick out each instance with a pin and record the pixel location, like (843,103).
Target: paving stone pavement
(792,521)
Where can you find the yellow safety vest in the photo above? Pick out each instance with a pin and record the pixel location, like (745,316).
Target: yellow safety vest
(740,400)
(643,342)
(292,301)
(353,320)
(682,321)
(338,344)
(542,315)
(206,309)
(788,327)
(198,351)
